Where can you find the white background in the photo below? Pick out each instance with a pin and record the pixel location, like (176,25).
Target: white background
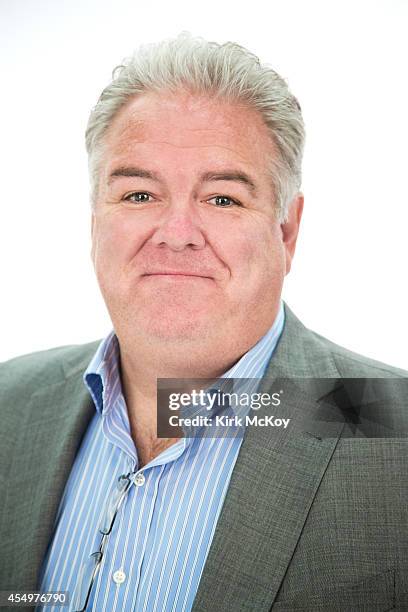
(347,64)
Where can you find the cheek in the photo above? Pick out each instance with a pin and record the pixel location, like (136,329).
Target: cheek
(254,252)
(115,241)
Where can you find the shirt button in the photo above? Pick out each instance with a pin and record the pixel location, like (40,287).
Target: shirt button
(139,480)
(119,576)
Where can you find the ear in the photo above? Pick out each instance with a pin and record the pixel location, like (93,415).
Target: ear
(290,228)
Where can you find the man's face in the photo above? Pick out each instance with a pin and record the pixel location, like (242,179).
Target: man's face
(186,243)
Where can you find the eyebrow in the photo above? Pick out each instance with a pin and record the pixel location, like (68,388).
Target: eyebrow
(230,175)
(226,175)
(132,171)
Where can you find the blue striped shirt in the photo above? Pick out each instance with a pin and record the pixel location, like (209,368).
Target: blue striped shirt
(158,546)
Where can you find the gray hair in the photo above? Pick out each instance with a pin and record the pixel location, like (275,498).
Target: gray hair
(225,70)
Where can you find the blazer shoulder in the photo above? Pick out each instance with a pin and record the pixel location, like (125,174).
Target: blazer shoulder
(303,353)
(352,365)
(47,366)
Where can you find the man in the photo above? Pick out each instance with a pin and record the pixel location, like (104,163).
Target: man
(195,152)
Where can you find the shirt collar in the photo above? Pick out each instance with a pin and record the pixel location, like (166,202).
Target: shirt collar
(102,376)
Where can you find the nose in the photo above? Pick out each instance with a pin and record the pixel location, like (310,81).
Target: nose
(179,228)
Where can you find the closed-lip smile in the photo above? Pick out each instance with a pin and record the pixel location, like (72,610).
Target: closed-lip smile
(176,273)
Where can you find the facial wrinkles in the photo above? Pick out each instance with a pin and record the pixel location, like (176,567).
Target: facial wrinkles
(151,259)
(130,149)
(135,128)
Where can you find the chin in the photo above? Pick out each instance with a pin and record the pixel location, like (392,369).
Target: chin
(164,322)
(177,329)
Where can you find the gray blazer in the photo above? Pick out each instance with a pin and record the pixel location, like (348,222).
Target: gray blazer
(310,521)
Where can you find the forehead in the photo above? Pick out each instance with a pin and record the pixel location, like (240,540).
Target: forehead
(190,127)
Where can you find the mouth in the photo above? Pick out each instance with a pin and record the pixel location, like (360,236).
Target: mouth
(177,275)
(176,279)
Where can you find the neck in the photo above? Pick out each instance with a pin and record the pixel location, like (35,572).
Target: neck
(139,374)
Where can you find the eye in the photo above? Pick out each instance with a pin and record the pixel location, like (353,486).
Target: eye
(224,201)
(138,196)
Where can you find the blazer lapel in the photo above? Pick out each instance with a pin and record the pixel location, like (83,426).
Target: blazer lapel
(57,418)
(274,482)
